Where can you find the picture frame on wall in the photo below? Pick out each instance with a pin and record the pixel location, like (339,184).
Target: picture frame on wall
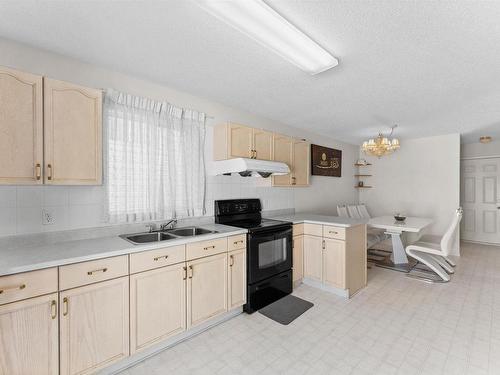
(326,161)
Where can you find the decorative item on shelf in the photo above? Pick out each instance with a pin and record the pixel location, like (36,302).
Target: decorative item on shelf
(326,161)
(361,183)
(381,145)
(485,139)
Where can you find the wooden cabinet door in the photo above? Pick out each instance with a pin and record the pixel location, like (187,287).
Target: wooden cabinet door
(313,258)
(263,144)
(240,141)
(298,258)
(21,127)
(301,163)
(73,134)
(94,326)
(237,278)
(334,263)
(29,337)
(283,152)
(206,288)
(157,305)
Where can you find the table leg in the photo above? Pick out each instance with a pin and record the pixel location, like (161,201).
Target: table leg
(398,249)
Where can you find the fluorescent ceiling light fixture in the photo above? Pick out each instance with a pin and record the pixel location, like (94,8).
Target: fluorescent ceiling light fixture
(263,24)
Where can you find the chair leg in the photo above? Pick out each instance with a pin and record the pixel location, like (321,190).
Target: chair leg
(443,263)
(450,262)
(430,262)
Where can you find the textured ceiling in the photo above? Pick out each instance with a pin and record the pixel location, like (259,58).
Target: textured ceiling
(433,67)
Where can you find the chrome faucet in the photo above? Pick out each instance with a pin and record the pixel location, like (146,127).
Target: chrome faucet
(170,223)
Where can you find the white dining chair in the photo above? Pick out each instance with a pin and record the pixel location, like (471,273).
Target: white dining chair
(434,255)
(342,211)
(353,211)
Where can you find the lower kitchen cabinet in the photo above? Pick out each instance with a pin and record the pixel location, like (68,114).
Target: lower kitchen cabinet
(298,257)
(157,305)
(94,326)
(29,337)
(206,288)
(334,263)
(237,278)
(313,253)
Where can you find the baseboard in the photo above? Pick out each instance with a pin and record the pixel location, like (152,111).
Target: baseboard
(482,243)
(327,288)
(168,343)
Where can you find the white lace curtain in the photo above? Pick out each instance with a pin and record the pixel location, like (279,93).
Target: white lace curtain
(155,159)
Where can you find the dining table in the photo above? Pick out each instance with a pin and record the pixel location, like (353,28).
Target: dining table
(399,232)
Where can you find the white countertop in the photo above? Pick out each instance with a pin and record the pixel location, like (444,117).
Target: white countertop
(34,257)
(321,219)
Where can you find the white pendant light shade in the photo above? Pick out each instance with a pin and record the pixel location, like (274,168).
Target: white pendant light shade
(263,24)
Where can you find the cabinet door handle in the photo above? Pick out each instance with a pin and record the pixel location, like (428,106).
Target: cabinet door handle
(38,171)
(90,273)
(65,306)
(209,247)
(185,273)
(251,154)
(237,242)
(191,272)
(156,259)
(53,309)
(255,154)
(324,245)
(12,288)
(231,260)
(49,172)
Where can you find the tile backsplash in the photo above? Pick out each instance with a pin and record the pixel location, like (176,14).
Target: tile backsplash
(75,207)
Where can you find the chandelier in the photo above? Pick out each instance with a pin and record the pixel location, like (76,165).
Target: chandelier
(381,145)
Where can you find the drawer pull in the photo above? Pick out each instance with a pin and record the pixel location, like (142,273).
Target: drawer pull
(49,170)
(53,309)
(231,260)
(237,242)
(333,232)
(190,272)
(156,259)
(90,273)
(209,247)
(20,287)
(65,306)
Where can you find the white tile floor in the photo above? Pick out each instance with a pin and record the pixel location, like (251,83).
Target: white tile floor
(394,326)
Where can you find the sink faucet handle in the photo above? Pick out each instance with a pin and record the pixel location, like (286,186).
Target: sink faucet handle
(150,226)
(170,223)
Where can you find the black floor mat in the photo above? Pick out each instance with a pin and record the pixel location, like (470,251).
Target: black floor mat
(286,309)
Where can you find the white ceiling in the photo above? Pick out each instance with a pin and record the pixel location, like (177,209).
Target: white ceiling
(433,67)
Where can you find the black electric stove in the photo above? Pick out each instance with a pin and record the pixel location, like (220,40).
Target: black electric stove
(269,250)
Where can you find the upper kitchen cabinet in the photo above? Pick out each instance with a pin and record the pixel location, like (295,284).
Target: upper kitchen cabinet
(73,134)
(21,127)
(232,140)
(295,153)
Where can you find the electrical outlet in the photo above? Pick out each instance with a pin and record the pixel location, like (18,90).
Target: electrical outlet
(48,217)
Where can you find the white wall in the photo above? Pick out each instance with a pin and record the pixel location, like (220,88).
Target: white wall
(479,149)
(78,207)
(421,179)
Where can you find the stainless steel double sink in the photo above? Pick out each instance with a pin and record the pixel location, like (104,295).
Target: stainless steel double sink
(171,234)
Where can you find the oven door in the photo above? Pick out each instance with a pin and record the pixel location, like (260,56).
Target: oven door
(269,253)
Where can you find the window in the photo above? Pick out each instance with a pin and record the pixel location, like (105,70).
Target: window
(155,159)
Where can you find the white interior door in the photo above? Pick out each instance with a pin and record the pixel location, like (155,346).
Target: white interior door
(481,200)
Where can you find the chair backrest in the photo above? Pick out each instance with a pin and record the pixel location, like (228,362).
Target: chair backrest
(353,212)
(450,235)
(363,212)
(342,211)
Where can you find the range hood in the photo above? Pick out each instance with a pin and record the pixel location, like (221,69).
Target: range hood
(251,167)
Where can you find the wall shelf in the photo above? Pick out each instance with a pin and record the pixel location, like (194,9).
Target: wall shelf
(363,175)
(363,187)
(361,165)
(360,176)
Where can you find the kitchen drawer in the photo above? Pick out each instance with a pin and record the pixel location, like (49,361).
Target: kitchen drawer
(148,260)
(237,242)
(28,284)
(93,271)
(313,229)
(298,229)
(205,248)
(330,231)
